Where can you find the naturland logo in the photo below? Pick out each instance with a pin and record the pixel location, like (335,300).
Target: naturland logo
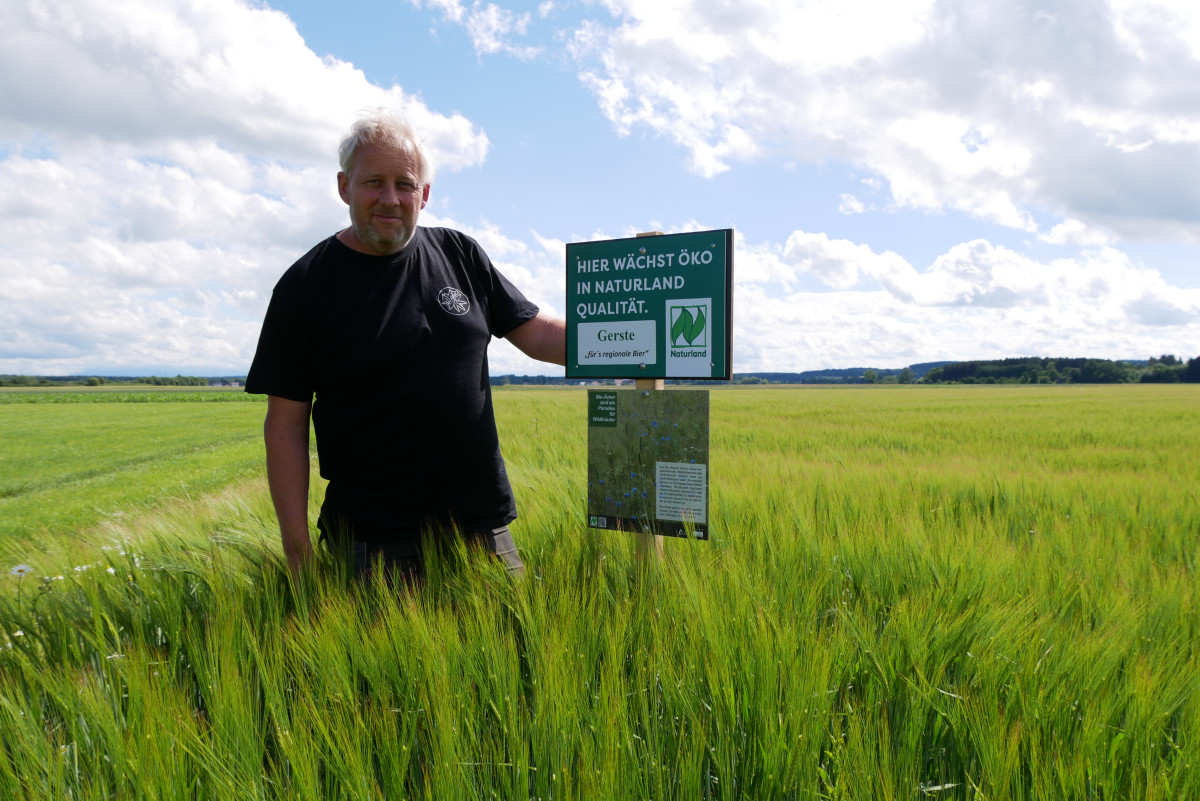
(689,330)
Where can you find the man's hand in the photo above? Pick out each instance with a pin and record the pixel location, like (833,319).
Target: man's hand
(286,435)
(543,338)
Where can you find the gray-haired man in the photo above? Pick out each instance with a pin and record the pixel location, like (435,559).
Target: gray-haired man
(380,332)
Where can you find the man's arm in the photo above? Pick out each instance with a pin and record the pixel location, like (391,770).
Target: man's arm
(286,434)
(543,338)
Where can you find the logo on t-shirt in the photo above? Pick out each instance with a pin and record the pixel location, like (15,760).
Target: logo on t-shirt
(454,301)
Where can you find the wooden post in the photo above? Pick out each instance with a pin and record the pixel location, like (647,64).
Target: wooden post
(649,543)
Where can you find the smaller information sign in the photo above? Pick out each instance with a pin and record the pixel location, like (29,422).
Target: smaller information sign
(648,462)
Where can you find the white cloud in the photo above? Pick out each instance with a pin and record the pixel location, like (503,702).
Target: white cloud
(1160,310)
(1074,232)
(851,205)
(838,262)
(491,27)
(161,170)
(763,264)
(999,110)
(217,70)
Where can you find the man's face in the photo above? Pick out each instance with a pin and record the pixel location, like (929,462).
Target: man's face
(385,196)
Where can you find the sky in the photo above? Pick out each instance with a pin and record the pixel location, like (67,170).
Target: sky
(908,181)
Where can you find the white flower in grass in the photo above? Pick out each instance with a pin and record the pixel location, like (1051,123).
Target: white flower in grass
(20,570)
(112,571)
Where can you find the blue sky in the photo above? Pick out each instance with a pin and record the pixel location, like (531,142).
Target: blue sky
(909,181)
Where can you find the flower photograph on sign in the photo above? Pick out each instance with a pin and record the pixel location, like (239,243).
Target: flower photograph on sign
(648,461)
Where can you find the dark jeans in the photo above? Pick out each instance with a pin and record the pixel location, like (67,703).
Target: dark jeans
(401,553)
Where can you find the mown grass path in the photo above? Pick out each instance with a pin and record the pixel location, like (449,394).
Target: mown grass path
(66,467)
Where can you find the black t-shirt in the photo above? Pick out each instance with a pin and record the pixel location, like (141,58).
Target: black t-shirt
(395,350)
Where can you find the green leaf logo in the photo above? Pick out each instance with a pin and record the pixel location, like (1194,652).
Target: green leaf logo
(689,325)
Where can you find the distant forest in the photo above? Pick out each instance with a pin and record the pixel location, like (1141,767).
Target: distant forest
(1166,369)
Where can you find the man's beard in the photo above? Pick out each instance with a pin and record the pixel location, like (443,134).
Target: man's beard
(385,244)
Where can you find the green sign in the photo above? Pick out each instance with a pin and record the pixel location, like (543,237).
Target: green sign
(651,307)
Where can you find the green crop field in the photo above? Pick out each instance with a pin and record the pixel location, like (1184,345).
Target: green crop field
(910,592)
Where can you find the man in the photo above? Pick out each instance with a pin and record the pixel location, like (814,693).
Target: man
(388,324)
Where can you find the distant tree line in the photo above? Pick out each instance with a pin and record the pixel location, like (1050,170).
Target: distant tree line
(96,381)
(1165,369)
(177,381)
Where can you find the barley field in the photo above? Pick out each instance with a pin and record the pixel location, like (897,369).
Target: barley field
(909,593)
